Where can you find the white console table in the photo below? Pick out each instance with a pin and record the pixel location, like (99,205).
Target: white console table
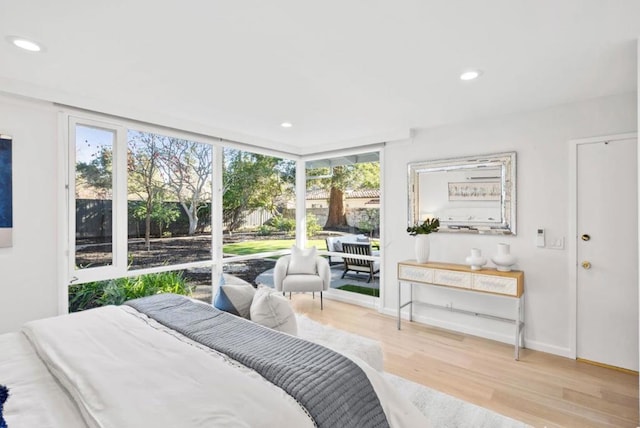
(461,277)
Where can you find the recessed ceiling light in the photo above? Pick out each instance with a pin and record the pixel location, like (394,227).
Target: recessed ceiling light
(26,44)
(470,75)
(286,124)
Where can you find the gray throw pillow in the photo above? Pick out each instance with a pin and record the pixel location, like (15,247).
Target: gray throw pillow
(234,298)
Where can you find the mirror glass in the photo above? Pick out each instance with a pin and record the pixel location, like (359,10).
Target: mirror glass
(474,194)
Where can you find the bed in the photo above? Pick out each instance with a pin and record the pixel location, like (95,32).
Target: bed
(168,361)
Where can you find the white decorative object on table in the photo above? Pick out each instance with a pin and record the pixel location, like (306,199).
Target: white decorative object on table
(475,260)
(504,260)
(422,248)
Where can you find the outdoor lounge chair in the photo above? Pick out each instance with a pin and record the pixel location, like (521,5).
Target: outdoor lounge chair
(369,267)
(334,243)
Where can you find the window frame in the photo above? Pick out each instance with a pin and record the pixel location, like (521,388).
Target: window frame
(119,268)
(118,247)
(70,117)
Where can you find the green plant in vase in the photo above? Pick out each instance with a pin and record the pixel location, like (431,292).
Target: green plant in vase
(421,232)
(428,226)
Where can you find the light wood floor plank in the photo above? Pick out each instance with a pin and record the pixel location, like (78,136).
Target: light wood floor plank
(541,389)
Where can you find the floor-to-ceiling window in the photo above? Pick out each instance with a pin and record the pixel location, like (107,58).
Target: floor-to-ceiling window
(154,210)
(258,212)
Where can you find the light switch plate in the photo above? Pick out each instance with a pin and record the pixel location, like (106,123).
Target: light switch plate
(540,238)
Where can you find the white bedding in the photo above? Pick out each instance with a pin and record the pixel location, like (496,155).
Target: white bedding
(36,399)
(125,370)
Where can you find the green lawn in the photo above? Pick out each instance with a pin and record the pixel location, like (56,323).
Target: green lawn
(361,290)
(262,246)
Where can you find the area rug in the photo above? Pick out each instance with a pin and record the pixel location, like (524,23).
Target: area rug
(445,411)
(442,410)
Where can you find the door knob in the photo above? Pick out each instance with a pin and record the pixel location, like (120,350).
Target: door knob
(586,265)
(585,237)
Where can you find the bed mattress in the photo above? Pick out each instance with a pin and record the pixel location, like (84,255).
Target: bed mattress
(113,367)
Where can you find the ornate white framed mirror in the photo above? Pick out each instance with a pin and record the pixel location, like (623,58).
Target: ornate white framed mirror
(475,194)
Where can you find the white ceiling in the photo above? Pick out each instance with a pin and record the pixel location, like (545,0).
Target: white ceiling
(342,71)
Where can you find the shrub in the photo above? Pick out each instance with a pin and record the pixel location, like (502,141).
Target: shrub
(85,296)
(312,225)
(119,290)
(282,224)
(265,230)
(369,221)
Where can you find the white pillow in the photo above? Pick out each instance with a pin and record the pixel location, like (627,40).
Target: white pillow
(302,261)
(270,309)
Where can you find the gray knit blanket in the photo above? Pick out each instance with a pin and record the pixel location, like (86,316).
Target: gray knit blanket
(332,388)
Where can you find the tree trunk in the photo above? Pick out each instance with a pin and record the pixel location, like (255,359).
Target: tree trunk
(192,214)
(337,215)
(147,226)
(193,224)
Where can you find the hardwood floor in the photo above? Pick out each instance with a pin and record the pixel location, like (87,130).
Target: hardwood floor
(541,389)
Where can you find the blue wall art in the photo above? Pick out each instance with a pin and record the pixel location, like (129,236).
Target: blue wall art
(6,192)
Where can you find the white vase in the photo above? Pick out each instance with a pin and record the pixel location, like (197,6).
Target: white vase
(504,260)
(475,260)
(421,247)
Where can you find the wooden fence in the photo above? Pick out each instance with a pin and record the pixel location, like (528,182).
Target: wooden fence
(94,217)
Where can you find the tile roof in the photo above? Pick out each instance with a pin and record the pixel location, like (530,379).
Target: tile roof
(348,194)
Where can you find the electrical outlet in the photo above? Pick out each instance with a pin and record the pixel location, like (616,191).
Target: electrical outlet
(557,244)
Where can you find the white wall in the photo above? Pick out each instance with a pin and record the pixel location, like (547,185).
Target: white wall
(541,141)
(29,269)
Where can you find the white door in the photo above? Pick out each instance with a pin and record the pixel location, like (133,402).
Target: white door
(607,253)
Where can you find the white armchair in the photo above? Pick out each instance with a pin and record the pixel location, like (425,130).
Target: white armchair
(302,272)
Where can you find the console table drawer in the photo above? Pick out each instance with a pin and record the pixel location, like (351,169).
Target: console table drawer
(495,284)
(452,278)
(413,273)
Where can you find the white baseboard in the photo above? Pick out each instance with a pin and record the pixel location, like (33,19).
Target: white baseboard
(487,334)
(549,349)
(353,298)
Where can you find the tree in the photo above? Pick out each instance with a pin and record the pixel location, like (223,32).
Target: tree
(186,168)
(95,178)
(163,213)
(159,168)
(370,221)
(252,181)
(338,179)
(98,173)
(144,178)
